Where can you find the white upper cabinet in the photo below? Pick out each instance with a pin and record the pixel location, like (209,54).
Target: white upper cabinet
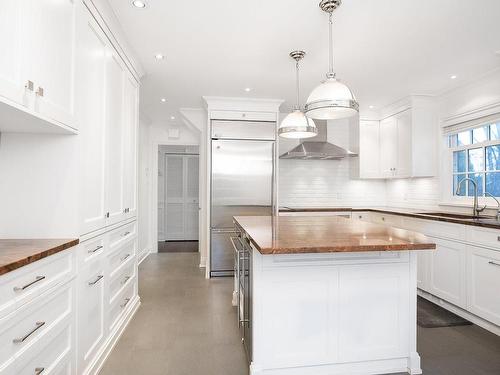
(37,67)
(91,68)
(407,141)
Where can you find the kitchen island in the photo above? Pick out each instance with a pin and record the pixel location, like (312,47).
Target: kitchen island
(327,295)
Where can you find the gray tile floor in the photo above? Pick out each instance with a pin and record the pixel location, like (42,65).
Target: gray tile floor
(186,326)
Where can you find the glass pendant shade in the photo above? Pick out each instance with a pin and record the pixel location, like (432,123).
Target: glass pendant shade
(331,100)
(297,125)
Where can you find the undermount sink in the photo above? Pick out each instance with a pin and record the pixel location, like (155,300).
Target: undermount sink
(456,216)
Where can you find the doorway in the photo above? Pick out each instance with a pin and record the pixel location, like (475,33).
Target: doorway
(178,198)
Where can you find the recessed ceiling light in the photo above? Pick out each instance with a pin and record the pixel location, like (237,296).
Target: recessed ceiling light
(453,76)
(371,106)
(163,100)
(172,117)
(139,4)
(159,56)
(248,89)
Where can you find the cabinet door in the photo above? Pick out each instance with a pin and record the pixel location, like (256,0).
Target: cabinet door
(403,165)
(423,270)
(91,313)
(130,122)
(90,109)
(447,276)
(52,57)
(369,149)
(388,146)
(484,283)
(13,47)
(114,136)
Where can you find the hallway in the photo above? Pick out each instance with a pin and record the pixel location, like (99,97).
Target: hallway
(185,325)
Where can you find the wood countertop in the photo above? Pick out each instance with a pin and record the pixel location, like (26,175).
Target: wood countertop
(326,234)
(16,253)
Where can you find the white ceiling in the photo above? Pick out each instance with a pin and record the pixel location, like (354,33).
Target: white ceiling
(384,49)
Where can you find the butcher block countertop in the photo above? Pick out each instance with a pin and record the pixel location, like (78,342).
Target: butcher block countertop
(16,253)
(326,234)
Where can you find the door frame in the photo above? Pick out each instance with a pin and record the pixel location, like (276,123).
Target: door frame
(154,189)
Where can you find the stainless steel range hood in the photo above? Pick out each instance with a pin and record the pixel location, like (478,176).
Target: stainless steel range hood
(318,148)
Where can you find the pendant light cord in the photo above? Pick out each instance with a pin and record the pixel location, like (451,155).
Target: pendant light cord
(331,71)
(297,106)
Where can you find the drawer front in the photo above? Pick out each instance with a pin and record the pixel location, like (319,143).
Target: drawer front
(91,250)
(484,236)
(483,284)
(120,304)
(390,220)
(122,234)
(363,216)
(121,279)
(53,356)
(435,228)
(22,329)
(25,284)
(346,214)
(121,255)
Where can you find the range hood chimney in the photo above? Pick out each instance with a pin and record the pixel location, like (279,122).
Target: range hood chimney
(318,148)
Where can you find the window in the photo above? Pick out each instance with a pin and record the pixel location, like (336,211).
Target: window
(476,155)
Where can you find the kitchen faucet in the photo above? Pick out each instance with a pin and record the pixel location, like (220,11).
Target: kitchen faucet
(475,209)
(498,203)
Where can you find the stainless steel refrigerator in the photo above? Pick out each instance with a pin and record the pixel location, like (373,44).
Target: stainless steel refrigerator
(242,182)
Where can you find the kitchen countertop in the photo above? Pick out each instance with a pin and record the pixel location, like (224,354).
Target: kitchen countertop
(16,253)
(490,222)
(326,234)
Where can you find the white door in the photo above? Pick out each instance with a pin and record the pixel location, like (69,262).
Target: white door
(52,57)
(114,136)
(369,144)
(181,192)
(388,146)
(13,36)
(447,272)
(90,98)
(130,122)
(403,168)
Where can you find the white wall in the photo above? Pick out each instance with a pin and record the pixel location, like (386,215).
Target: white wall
(144,188)
(38,186)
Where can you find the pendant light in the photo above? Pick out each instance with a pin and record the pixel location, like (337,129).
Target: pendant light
(331,99)
(296,124)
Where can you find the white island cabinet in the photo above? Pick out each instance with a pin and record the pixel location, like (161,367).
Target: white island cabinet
(328,295)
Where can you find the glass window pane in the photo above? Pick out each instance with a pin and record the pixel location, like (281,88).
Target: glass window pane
(476,162)
(453,140)
(456,179)
(480,134)
(478,178)
(459,161)
(493,183)
(493,158)
(464,138)
(495,131)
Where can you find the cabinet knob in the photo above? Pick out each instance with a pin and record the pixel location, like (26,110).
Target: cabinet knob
(29,85)
(39,91)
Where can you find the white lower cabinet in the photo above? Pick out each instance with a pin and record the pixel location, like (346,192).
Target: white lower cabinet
(447,271)
(483,283)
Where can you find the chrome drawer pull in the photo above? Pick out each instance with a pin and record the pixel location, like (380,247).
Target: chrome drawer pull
(97,248)
(124,258)
(96,280)
(127,300)
(127,278)
(39,370)
(494,263)
(22,339)
(37,279)
(125,234)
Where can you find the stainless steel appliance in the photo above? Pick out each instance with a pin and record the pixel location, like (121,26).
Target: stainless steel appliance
(242,182)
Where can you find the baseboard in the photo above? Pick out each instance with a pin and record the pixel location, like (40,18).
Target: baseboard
(493,328)
(112,340)
(144,255)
